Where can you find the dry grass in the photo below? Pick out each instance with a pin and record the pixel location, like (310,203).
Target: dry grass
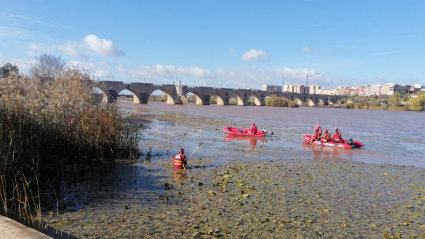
(45,123)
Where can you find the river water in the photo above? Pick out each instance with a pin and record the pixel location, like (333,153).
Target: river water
(130,198)
(390,137)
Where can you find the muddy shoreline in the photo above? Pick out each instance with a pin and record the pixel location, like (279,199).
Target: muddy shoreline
(239,189)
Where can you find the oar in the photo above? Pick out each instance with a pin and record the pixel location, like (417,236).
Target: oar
(317,123)
(195,149)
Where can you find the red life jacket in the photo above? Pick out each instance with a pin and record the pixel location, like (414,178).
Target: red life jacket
(179,161)
(336,138)
(254,129)
(326,137)
(316,135)
(339,133)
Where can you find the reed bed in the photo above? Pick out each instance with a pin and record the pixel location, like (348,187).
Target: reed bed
(46,123)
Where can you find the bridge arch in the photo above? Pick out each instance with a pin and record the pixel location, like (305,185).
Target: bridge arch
(242,98)
(310,101)
(223,99)
(298,101)
(176,94)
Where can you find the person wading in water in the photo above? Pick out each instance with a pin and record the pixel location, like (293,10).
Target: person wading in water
(180,160)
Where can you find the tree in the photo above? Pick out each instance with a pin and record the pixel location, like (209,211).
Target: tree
(395,99)
(47,66)
(417,103)
(164,98)
(8,69)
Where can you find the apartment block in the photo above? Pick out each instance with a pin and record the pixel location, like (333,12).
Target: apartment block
(272,88)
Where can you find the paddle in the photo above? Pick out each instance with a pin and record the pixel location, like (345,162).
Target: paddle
(195,149)
(311,140)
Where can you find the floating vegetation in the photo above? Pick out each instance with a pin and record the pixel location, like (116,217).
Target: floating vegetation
(254,198)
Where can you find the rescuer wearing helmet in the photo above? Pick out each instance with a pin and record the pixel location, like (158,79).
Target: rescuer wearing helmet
(337,131)
(319,130)
(316,134)
(253,129)
(336,138)
(180,160)
(326,137)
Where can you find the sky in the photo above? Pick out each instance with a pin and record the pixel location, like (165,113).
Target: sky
(230,44)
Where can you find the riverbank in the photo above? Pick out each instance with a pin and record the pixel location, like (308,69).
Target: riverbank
(233,189)
(13,230)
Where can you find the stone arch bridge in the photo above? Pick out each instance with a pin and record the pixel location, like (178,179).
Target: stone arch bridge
(177,94)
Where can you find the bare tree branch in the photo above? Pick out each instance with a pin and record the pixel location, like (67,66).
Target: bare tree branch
(47,66)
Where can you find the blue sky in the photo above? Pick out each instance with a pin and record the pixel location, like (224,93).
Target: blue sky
(230,43)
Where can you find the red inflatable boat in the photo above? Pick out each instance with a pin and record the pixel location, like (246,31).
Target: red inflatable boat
(348,144)
(242,132)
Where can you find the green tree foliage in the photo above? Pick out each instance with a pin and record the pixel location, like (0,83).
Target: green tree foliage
(395,99)
(9,70)
(213,100)
(164,98)
(417,103)
(274,101)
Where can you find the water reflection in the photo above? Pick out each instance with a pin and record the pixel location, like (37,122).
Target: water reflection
(324,153)
(253,141)
(179,174)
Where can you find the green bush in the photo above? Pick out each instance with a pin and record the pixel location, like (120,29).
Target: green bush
(274,101)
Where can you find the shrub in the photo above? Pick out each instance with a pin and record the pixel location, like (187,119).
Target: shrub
(274,101)
(213,100)
(417,103)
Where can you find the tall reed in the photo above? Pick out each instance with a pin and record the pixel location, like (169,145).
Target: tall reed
(47,122)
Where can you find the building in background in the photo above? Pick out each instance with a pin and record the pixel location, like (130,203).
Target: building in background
(289,88)
(363,90)
(375,89)
(272,88)
(299,89)
(314,89)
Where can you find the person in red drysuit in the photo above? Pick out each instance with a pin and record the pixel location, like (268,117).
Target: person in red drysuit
(336,138)
(316,134)
(338,132)
(253,129)
(326,137)
(180,160)
(319,130)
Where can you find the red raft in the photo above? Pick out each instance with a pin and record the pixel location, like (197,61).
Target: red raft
(348,144)
(242,132)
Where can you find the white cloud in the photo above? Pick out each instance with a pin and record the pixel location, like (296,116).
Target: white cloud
(306,49)
(167,71)
(243,77)
(13,18)
(91,69)
(12,32)
(36,50)
(254,55)
(75,49)
(71,49)
(101,46)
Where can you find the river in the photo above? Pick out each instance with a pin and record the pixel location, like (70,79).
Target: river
(390,137)
(226,187)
